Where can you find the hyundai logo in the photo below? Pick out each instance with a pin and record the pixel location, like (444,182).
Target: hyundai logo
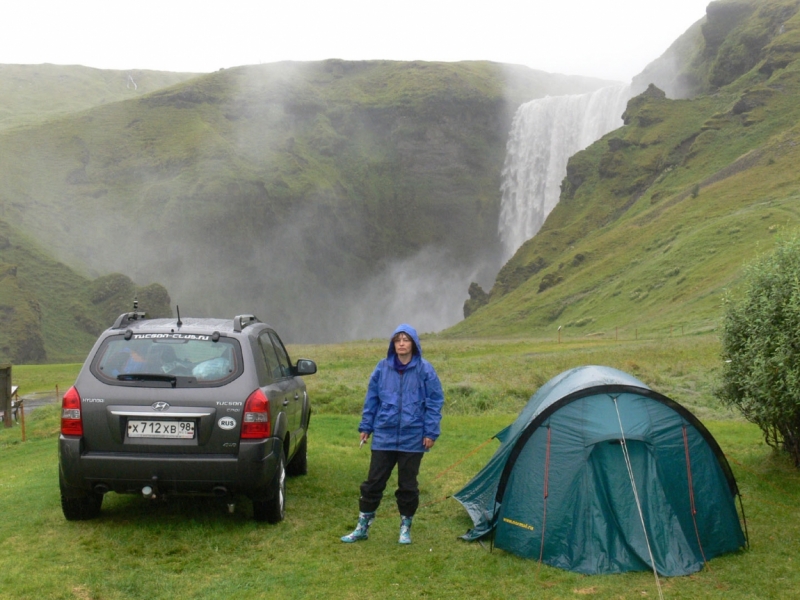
(160,406)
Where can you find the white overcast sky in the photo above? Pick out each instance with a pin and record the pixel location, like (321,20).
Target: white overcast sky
(611,39)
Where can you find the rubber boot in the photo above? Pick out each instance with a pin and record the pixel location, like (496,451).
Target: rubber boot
(405,530)
(361,532)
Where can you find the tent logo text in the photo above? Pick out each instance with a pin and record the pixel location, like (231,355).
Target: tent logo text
(518,524)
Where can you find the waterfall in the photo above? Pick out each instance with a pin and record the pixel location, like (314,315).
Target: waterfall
(544,134)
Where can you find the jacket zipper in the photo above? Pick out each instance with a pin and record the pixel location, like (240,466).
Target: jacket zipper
(400,410)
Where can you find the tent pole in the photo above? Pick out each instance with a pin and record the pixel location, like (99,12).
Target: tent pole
(692,506)
(546,493)
(746,534)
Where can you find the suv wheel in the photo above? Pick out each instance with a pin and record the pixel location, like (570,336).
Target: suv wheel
(274,509)
(81,507)
(299,463)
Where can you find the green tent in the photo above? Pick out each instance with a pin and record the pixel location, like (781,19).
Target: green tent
(600,474)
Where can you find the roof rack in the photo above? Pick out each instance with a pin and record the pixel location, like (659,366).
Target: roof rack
(126,318)
(242,321)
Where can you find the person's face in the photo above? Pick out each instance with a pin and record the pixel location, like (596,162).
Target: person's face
(403,345)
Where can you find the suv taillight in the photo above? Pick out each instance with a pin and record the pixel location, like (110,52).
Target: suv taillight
(255,424)
(71,423)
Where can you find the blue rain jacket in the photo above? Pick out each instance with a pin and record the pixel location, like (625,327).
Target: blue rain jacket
(402,408)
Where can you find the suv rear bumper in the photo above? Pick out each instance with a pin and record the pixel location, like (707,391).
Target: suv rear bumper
(249,472)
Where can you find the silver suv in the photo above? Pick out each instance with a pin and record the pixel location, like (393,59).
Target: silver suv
(199,406)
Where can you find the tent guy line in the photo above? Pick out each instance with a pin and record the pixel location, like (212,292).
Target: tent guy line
(627,457)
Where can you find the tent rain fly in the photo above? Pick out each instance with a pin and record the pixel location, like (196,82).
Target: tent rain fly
(601,474)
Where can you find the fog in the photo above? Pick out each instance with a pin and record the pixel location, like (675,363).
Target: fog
(298,275)
(613,39)
(222,245)
(271,279)
(427,290)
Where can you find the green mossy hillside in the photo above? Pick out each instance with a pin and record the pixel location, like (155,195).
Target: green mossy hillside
(734,37)
(276,189)
(657,218)
(50,313)
(32,93)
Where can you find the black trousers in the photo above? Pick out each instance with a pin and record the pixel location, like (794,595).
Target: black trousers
(381,466)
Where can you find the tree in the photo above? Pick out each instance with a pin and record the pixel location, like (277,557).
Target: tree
(761,347)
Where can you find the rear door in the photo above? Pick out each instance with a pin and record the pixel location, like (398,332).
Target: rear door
(157,393)
(293,392)
(278,390)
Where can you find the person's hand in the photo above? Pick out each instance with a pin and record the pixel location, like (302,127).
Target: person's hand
(428,443)
(364,438)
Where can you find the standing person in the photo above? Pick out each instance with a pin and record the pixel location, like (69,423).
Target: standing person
(402,412)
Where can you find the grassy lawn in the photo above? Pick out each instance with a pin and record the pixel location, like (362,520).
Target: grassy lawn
(194,548)
(34,379)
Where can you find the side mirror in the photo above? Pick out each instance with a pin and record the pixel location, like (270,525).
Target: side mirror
(305,367)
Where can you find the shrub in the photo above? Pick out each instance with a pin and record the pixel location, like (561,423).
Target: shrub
(549,281)
(761,347)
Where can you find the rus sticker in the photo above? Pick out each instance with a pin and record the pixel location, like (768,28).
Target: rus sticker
(226,423)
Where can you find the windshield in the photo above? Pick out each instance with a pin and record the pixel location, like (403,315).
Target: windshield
(153,359)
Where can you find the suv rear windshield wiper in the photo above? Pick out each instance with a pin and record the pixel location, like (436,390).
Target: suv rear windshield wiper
(171,379)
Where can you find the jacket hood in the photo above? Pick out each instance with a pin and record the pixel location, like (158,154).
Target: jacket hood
(410,332)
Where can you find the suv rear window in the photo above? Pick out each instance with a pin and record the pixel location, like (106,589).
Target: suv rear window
(176,360)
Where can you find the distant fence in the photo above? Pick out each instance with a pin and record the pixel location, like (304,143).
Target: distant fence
(581,331)
(13,411)
(34,399)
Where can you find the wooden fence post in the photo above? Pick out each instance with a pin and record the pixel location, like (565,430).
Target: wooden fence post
(5,394)
(21,409)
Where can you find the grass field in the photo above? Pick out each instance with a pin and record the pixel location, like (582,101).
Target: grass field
(194,548)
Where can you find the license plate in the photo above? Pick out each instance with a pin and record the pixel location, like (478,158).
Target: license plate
(161,429)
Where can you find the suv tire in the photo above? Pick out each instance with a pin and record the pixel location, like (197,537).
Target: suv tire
(274,509)
(79,508)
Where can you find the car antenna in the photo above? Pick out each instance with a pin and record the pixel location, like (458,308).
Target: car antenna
(135,303)
(178,308)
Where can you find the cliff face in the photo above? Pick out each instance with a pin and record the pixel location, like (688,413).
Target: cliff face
(733,37)
(323,197)
(20,320)
(48,312)
(658,217)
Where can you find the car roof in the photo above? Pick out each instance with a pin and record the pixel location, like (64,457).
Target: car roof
(138,322)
